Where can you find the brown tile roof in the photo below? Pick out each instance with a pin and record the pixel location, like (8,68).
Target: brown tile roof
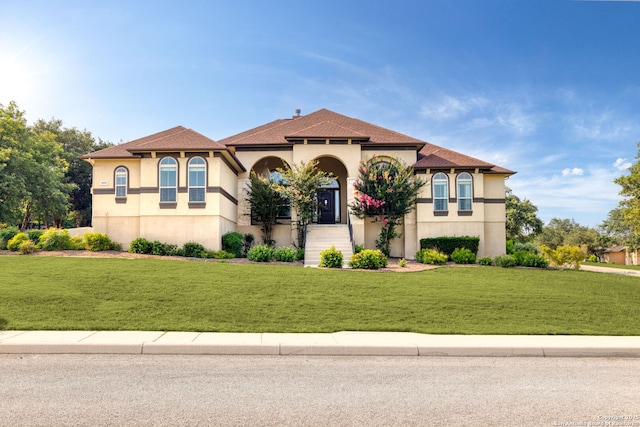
(319,124)
(435,157)
(174,139)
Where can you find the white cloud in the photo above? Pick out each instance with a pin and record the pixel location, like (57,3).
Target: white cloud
(574,171)
(450,107)
(622,164)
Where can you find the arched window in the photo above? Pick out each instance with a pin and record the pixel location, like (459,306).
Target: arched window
(465,193)
(440,192)
(168,180)
(197,179)
(121,182)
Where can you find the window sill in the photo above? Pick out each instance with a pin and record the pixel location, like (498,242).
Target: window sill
(121,200)
(440,213)
(168,205)
(465,213)
(197,205)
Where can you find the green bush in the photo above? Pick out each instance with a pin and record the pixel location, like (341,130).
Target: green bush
(534,260)
(221,254)
(526,247)
(300,254)
(140,246)
(261,253)
(247,243)
(192,250)
(447,245)
(55,239)
(14,243)
(487,261)
(163,249)
(34,235)
(402,263)
(7,234)
(331,258)
(96,242)
(358,248)
(368,259)
(233,242)
(26,247)
(431,256)
(593,258)
(463,256)
(563,256)
(505,261)
(285,255)
(510,247)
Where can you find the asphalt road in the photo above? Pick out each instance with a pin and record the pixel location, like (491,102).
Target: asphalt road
(278,390)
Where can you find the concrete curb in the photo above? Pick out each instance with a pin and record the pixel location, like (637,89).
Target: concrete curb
(335,344)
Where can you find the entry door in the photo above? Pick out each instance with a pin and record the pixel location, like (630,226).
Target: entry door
(326,207)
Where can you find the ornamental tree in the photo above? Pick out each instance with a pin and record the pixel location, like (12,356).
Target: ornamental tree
(300,184)
(386,190)
(265,202)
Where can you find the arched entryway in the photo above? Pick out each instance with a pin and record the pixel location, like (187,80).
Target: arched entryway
(332,198)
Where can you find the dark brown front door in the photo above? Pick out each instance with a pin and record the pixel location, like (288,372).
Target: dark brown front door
(326,207)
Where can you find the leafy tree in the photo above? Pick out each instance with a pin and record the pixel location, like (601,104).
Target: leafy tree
(624,221)
(299,185)
(75,143)
(522,223)
(615,230)
(33,168)
(386,190)
(266,202)
(567,232)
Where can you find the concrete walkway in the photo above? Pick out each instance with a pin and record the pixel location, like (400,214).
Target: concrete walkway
(334,344)
(611,270)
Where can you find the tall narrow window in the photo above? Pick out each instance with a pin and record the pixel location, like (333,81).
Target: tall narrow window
(197,179)
(121,182)
(465,193)
(168,180)
(440,192)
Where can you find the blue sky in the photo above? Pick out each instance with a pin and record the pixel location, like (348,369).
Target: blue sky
(548,88)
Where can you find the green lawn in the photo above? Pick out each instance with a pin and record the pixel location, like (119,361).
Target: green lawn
(150,294)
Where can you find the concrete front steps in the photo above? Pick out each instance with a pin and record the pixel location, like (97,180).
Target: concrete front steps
(323,236)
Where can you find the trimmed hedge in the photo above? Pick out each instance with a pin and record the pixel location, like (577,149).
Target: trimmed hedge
(447,245)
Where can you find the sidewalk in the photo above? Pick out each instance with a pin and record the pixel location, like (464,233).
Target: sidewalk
(330,344)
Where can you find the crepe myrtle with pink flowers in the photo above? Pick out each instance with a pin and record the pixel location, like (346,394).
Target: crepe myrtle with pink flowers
(386,190)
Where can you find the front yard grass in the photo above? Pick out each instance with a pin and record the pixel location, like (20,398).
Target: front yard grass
(64,293)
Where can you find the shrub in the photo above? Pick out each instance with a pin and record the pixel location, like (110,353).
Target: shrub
(14,243)
(34,235)
(162,249)
(368,259)
(510,247)
(431,256)
(487,261)
(533,260)
(285,255)
(247,243)
(140,246)
(221,254)
(7,234)
(233,242)
(331,258)
(192,250)
(593,258)
(55,239)
(463,256)
(402,263)
(447,245)
(96,242)
(525,247)
(300,254)
(261,253)
(564,255)
(358,248)
(26,247)
(505,261)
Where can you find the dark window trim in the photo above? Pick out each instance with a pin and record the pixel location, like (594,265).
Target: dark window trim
(465,213)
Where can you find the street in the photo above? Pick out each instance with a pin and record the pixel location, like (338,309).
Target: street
(279,390)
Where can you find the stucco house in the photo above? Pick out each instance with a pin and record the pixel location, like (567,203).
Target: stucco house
(178,185)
